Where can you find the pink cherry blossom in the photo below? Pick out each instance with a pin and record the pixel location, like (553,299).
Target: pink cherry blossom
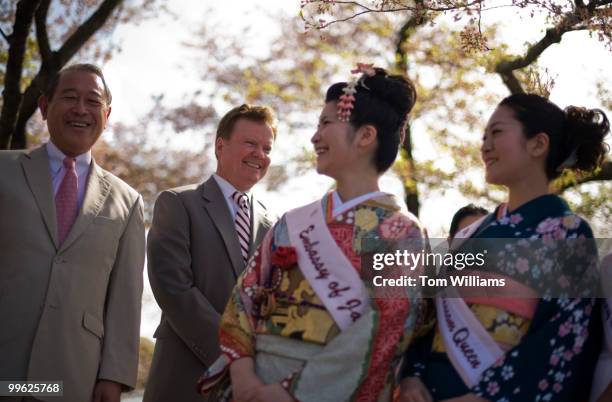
(493,388)
(515,218)
(548,225)
(563,281)
(564,329)
(522,265)
(554,360)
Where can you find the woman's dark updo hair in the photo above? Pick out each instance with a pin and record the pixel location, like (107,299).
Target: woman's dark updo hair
(385,104)
(574,130)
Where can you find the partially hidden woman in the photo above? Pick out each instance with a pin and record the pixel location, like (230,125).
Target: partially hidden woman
(541,345)
(301,324)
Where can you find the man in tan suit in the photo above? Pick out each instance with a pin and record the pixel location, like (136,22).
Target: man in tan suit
(197,246)
(72,239)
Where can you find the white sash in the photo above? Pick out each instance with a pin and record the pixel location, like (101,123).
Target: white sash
(325,267)
(468,345)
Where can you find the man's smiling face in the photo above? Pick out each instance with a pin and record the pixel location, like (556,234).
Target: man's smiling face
(244,157)
(77,112)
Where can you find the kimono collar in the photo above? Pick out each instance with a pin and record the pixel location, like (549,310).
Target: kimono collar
(340,206)
(504,223)
(542,207)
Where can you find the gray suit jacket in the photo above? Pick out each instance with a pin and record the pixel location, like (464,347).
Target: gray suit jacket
(72,312)
(194,260)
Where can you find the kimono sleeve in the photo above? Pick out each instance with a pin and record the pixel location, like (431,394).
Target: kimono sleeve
(557,348)
(239,320)
(551,359)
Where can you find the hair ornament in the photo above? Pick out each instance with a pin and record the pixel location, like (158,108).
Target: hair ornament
(346,103)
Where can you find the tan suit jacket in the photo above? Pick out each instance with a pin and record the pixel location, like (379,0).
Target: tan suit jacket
(68,313)
(194,259)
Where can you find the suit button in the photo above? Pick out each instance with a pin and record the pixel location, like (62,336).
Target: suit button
(59,260)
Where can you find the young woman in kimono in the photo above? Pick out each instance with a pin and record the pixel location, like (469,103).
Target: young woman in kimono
(601,390)
(301,324)
(533,347)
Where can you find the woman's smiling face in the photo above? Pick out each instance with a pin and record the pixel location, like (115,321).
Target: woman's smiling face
(333,143)
(504,149)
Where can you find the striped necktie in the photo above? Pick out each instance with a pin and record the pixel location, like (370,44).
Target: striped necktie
(243,222)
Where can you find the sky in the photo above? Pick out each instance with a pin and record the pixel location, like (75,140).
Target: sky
(138,71)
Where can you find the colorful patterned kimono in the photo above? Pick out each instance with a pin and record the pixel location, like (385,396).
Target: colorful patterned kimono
(276,317)
(548,350)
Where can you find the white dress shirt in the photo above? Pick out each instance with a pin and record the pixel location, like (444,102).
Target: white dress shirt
(228,190)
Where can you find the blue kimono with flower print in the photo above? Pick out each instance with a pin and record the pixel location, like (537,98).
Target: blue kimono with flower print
(554,359)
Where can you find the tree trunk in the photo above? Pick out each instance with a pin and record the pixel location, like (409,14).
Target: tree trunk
(18,108)
(410,188)
(12,97)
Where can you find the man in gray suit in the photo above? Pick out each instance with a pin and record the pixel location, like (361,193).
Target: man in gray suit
(199,240)
(72,238)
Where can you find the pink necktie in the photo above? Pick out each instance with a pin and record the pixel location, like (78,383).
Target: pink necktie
(243,222)
(66,200)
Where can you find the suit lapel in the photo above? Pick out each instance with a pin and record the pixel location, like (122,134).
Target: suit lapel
(95,194)
(260,224)
(216,206)
(36,167)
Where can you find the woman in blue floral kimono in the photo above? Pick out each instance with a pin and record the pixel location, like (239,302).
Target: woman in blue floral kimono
(301,324)
(542,345)
(601,390)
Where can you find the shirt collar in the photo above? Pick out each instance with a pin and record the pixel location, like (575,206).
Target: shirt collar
(56,157)
(227,188)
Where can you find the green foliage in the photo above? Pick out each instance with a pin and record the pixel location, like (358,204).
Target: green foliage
(593,201)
